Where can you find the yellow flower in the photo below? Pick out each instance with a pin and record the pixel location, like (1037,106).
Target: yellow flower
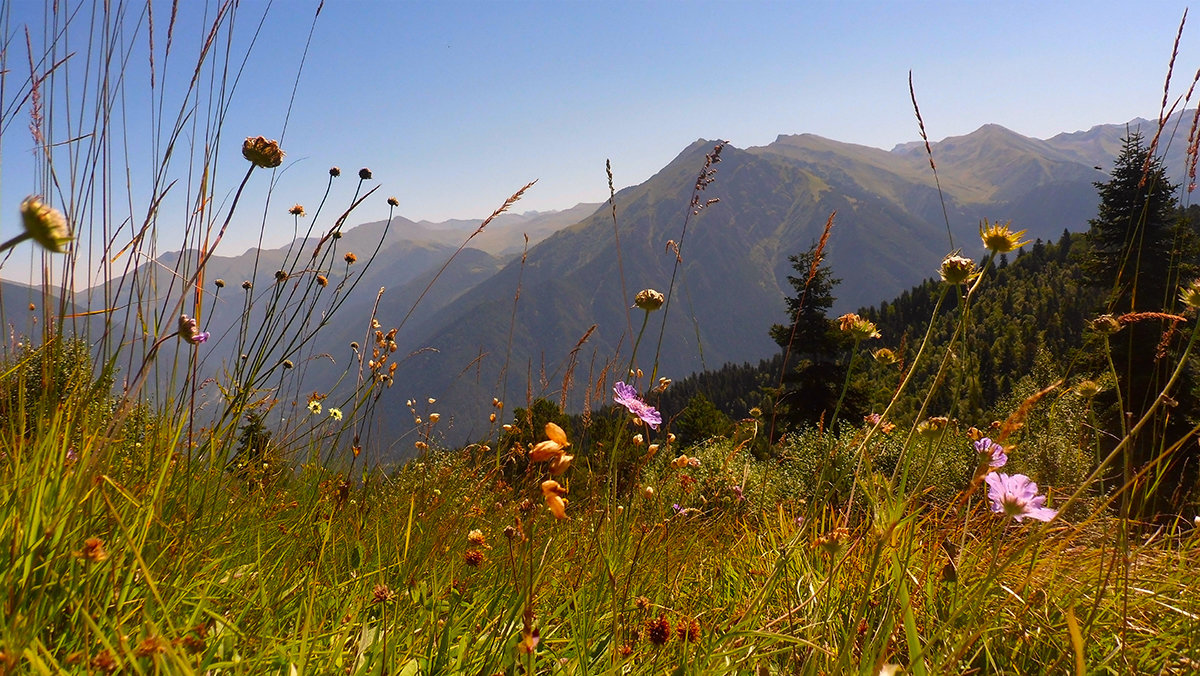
(314,407)
(335,413)
(45,225)
(1190,295)
(1000,238)
(261,152)
(297,210)
(857,327)
(957,269)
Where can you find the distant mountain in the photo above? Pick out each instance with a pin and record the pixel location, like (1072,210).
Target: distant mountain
(492,313)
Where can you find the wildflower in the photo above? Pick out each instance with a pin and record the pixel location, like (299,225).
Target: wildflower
(651,450)
(261,152)
(297,210)
(393,202)
(688,630)
(641,603)
(1106,324)
(628,397)
(1017,497)
(930,428)
(857,327)
(529,641)
(190,332)
(663,384)
(364,174)
(991,452)
(737,493)
(755,412)
(671,436)
(473,558)
(999,238)
(335,413)
(287,364)
(314,407)
(434,417)
(560,464)
(220,284)
(247,285)
(649,300)
(93,550)
(476,538)
(658,630)
(885,356)
(1088,389)
(553,493)
(638,440)
(680,462)
(45,225)
(647,492)
(322,280)
(334,172)
(957,269)
(1190,294)
(152,645)
(382,594)
(833,541)
(281,275)
(420,445)
(492,417)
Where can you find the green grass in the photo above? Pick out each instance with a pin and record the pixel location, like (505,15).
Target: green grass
(147,529)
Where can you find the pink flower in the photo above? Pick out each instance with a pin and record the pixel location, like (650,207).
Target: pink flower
(628,397)
(991,452)
(1017,497)
(189,331)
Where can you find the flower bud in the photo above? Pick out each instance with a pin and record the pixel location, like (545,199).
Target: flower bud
(45,225)
(649,300)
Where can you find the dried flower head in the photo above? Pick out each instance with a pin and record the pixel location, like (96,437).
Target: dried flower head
(350,258)
(688,630)
(93,550)
(658,630)
(322,281)
(45,224)
(151,645)
(247,285)
(473,558)
(649,300)
(476,538)
(364,174)
(999,238)
(957,269)
(335,172)
(382,594)
(287,364)
(262,152)
(833,541)
(297,210)
(220,284)
(1106,324)
(281,275)
(393,202)
(930,428)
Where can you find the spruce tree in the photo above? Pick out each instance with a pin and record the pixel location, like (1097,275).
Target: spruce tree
(1139,252)
(814,368)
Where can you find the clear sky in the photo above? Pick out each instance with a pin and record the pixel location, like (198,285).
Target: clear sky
(454,105)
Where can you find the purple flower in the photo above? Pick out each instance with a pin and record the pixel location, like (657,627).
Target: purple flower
(628,397)
(1017,497)
(991,452)
(190,331)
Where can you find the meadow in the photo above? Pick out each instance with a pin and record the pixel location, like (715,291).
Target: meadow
(148,529)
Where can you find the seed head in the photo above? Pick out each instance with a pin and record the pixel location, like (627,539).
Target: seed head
(220,284)
(1088,389)
(382,594)
(1106,324)
(297,210)
(649,300)
(322,280)
(262,152)
(473,558)
(885,356)
(45,224)
(247,285)
(281,275)
(658,630)
(857,327)
(364,174)
(957,269)
(350,257)
(393,202)
(335,172)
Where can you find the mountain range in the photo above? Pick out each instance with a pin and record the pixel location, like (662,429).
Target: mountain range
(497,323)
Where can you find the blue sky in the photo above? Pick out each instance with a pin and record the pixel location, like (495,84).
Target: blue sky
(455,105)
